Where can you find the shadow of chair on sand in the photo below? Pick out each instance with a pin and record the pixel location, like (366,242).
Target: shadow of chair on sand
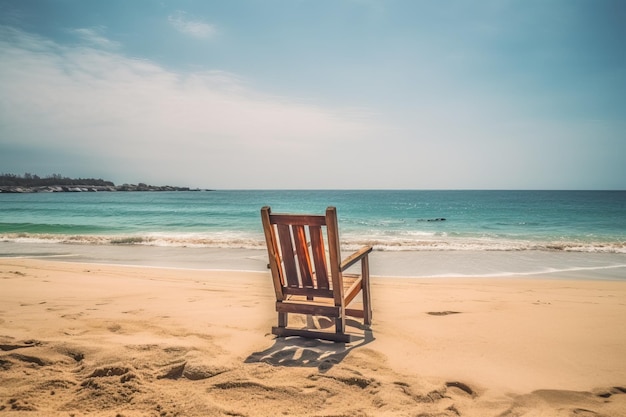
(296,351)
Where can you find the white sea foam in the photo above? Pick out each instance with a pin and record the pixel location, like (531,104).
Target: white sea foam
(394,243)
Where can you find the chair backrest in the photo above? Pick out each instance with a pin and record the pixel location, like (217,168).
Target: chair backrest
(301,260)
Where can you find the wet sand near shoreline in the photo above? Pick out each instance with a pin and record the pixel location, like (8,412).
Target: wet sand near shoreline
(411,264)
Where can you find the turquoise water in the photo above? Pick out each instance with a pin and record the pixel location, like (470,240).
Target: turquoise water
(571,221)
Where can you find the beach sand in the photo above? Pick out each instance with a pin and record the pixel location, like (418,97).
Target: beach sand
(104,340)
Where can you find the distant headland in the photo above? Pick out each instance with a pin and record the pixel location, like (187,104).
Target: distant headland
(30,183)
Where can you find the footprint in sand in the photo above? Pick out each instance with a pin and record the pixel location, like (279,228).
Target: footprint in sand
(20,405)
(29,359)
(5,365)
(191,371)
(463,387)
(133,312)
(583,412)
(107,371)
(19,345)
(73,316)
(75,332)
(610,392)
(443,313)
(114,328)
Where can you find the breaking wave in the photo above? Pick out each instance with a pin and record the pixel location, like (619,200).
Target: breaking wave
(419,242)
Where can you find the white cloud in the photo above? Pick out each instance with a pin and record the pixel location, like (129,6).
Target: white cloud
(94,36)
(89,110)
(195,28)
(146,123)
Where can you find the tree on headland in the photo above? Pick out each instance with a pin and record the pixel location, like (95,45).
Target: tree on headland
(29,183)
(31,180)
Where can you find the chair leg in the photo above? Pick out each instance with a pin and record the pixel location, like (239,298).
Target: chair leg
(367,300)
(282,319)
(340,324)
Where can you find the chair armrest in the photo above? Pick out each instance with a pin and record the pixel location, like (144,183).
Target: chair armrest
(355,257)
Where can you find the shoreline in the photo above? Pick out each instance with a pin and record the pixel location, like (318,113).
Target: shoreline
(409,264)
(197,342)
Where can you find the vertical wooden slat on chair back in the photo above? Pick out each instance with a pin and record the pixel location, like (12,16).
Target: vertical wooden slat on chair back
(302,252)
(286,249)
(334,251)
(319,256)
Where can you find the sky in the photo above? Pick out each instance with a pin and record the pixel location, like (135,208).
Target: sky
(316,94)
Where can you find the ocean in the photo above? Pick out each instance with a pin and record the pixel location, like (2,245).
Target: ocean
(414,233)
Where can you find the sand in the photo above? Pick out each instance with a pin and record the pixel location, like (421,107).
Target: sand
(102,340)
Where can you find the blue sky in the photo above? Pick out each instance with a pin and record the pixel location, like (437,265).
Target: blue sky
(317,94)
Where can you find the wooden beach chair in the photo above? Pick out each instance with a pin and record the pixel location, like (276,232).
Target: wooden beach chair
(308,274)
